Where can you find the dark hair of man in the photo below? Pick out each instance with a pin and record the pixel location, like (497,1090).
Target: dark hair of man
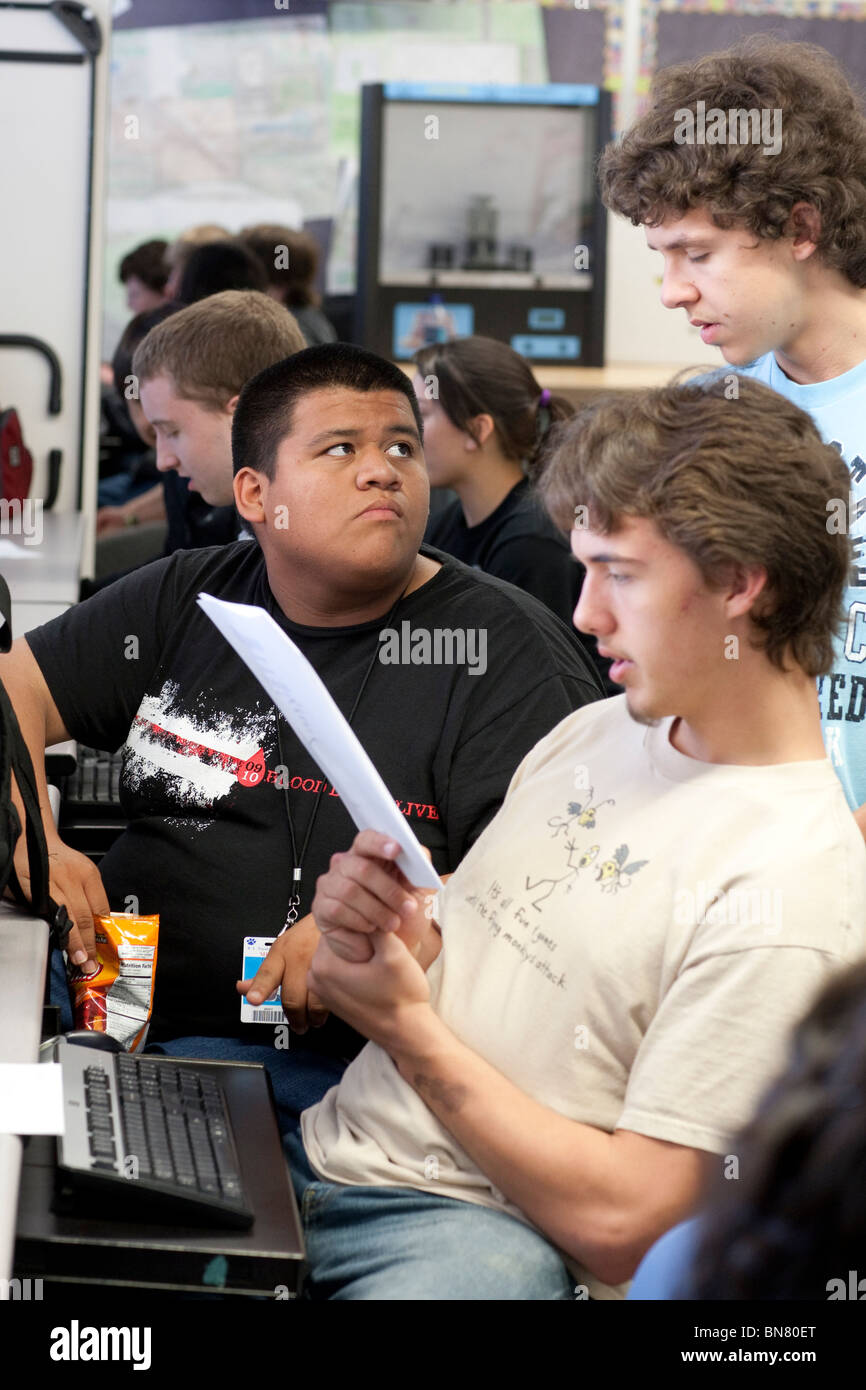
(263,417)
(795,1219)
(482,376)
(647,175)
(733,481)
(137,329)
(218,266)
(147,262)
(289,258)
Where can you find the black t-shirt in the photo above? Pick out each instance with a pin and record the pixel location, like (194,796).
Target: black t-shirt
(518,542)
(207,845)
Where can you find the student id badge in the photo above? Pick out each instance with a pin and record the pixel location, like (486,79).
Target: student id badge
(271,1009)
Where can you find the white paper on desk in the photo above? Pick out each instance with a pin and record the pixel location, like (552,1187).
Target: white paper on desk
(299,694)
(31,1098)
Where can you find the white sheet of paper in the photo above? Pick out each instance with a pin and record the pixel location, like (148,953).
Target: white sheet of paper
(31,1098)
(300,695)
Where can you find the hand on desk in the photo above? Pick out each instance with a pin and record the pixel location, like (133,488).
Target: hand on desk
(76,883)
(285,967)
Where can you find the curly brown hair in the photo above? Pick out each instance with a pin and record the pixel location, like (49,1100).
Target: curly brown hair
(732,481)
(647,175)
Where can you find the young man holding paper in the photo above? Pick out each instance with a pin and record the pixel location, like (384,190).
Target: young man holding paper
(672,876)
(225,804)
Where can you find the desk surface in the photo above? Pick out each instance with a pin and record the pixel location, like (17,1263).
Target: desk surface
(47,573)
(23,954)
(619,376)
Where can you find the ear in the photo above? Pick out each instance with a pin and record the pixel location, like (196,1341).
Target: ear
(249,496)
(746,586)
(232,405)
(483,425)
(804,228)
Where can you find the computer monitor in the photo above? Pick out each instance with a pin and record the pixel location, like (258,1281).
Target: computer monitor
(479,214)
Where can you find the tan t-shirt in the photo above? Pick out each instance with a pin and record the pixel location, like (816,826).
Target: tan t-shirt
(630,942)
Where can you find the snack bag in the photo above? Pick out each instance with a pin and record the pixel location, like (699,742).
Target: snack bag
(118,997)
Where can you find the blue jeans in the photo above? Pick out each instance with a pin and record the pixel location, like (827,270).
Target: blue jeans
(398,1244)
(298,1078)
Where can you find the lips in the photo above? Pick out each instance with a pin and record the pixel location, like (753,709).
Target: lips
(619,664)
(707,329)
(382,507)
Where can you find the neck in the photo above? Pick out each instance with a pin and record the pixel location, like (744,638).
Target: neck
(319,604)
(769,718)
(833,339)
(482,490)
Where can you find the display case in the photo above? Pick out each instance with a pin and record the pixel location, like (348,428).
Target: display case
(479,214)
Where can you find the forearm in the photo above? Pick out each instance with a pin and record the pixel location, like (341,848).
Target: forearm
(148,506)
(575,1182)
(860,818)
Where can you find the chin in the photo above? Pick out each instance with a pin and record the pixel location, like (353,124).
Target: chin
(642,713)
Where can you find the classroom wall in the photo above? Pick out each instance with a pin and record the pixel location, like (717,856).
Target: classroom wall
(258,119)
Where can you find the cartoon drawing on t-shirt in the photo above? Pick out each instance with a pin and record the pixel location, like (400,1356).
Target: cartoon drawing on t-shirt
(615,873)
(584,813)
(574,869)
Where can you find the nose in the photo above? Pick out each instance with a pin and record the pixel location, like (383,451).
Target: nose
(166,459)
(592,613)
(377,470)
(677,289)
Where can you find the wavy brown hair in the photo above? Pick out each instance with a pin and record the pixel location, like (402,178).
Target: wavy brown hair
(647,176)
(732,480)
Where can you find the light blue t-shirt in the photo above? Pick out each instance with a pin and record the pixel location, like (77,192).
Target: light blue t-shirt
(838,408)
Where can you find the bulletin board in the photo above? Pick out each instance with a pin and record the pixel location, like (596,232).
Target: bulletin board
(674,31)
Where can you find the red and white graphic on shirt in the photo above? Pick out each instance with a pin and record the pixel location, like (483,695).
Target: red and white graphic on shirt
(205,758)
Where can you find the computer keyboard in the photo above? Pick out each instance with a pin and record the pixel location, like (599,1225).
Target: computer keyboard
(152,1134)
(96,779)
(91,816)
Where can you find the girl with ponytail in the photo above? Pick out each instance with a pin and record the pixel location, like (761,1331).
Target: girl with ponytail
(486,428)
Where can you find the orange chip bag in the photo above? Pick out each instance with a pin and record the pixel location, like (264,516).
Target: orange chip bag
(118,998)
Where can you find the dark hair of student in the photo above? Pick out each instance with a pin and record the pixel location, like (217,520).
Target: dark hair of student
(218,266)
(794,1221)
(289,258)
(263,416)
(482,376)
(147,262)
(137,329)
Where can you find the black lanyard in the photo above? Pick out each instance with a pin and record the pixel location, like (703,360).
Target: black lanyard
(298,860)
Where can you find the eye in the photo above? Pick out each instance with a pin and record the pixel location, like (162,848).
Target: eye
(338,446)
(618,578)
(407,448)
(695,259)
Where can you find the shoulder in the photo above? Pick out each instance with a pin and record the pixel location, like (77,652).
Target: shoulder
(526,518)
(519,627)
(602,729)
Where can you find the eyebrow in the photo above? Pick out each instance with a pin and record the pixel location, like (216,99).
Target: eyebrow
(612,559)
(354,433)
(683,242)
